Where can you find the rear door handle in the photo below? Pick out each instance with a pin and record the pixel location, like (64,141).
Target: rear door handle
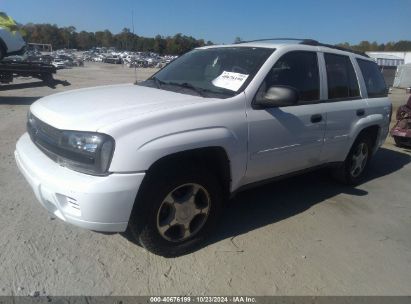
(316,118)
(360,112)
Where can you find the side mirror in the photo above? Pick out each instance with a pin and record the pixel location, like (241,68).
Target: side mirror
(278,96)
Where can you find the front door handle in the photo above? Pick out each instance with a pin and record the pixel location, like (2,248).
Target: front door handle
(316,118)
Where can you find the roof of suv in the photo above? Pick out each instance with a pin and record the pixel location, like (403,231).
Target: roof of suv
(307,43)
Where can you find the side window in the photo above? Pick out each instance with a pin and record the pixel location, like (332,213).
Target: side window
(374,81)
(341,79)
(297,69)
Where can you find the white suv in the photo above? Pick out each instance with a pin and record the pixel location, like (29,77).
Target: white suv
(159,158)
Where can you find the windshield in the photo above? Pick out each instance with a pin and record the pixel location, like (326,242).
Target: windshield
(215,72)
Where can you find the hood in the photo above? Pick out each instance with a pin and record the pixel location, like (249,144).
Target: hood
(93,108)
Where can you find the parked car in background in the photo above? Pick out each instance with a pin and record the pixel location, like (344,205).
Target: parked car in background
(159,158)
(59,63)
(11,41)
(401,132)
(113,59)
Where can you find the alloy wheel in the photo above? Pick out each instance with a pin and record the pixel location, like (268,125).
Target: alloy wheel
(359,159)
(183,212)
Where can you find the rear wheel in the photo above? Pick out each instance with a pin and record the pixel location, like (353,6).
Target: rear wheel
(176,211)
(353,170)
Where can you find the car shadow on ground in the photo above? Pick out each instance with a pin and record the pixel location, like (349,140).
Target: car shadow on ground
(271,203)
(280,200)
(34,84)
(12,100)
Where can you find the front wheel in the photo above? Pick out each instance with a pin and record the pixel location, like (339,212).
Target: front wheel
(176,211)
(353,170)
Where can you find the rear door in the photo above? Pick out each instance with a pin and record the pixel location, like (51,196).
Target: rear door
(344,105)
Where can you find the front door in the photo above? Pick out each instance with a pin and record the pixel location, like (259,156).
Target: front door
(287,139)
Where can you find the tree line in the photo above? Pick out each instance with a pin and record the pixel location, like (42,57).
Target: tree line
(366,46)
(68,37)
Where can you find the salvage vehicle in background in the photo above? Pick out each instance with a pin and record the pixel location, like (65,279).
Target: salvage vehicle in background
(113,59)
(58,63)
(401,132)
(11,41)
(159,158)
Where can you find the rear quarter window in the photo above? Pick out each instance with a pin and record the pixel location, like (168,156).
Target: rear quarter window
(374,81)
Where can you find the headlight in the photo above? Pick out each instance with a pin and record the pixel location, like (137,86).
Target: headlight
(86,152)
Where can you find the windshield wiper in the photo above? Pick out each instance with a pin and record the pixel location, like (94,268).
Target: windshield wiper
(188,86)
(200,91)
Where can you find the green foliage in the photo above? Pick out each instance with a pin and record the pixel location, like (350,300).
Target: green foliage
(68,37)
(366,46)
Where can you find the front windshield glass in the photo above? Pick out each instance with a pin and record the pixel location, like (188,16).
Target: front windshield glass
(215,72)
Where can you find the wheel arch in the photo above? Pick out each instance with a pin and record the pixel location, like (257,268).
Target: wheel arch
(213,158)
(373,131)
(154,149)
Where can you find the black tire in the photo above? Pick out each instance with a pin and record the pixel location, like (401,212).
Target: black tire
(157,185)
(402,142)
(344,173)
(397,141)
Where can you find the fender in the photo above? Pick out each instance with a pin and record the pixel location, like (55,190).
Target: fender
(157,148)
(169,144)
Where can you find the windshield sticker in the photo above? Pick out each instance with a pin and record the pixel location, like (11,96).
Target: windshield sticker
(230,80)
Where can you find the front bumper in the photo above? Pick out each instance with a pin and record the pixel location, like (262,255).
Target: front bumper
(101,203)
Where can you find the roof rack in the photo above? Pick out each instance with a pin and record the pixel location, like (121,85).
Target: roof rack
(316,43)
(308,41)
(270,39)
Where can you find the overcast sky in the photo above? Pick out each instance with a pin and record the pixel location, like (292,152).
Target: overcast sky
(222,20)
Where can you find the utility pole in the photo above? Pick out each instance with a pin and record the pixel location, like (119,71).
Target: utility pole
(132,26)
(132,20)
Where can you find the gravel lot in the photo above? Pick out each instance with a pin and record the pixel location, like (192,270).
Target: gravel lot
(302,236)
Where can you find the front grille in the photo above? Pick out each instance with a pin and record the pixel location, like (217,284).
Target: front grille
(51,142)
(49,131)
(45,137)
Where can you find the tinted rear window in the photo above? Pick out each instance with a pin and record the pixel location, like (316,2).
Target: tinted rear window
(342,82)
(374,81)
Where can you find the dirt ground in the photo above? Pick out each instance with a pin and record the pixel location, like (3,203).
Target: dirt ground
(302,236)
